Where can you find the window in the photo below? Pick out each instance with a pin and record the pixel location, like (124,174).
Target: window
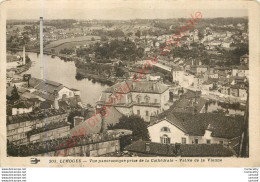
(165,129)
(138,112)
(147,99)
(147,113)
(165,139)
(221,142)
(155,100)
(196,141)
(138,97)
(208,141)
(183,140)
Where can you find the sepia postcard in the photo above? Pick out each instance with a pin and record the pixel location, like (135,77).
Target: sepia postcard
(127,83)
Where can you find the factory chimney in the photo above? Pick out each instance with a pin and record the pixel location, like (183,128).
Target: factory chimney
(24,55)
(41,47)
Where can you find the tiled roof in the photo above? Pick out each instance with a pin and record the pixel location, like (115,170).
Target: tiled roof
(205,150)
(47,85)
(23,105)
(154,148)
(195,124)
(140,86)
(245,56)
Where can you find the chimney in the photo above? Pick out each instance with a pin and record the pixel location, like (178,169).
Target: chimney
(56,96)
(24,55)
(78,120)
(41,47)
(147,147)
(154,86)
(133,85)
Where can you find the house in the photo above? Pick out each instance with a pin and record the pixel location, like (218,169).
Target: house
(22,107)
(201,69)
(144,98)
(224,89)
(200,128)
(177,75)
(49,90)
(244,59)
(189,102)
(198,80)
(188,80)
(140,73)
(234,90)
(208,85)
(226,44)
(241,71)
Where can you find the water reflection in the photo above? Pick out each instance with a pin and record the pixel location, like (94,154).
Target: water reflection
(231,108)
(63,72)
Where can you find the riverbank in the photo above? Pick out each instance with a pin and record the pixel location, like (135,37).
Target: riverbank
(81,74)
(82,70)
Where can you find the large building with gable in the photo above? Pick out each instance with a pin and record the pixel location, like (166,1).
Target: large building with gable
(143,98)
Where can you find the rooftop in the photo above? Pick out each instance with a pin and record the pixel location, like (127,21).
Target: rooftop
(205,150)
(151,148)
(196,124)
(140,86)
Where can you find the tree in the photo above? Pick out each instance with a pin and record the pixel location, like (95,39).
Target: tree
(12,150)
(200,35)
(136,124)
(27,78)
(138,33)
(119,72)
(14,95)
(103,38)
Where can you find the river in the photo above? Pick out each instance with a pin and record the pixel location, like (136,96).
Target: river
(64,72)
(233,109)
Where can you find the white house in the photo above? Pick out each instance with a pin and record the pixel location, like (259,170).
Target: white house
(200,128)
(21,108)
(177,74)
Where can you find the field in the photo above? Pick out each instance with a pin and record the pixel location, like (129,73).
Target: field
(71,42)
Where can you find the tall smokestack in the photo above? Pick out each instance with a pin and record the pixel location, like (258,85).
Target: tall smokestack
(24,55)
(41,47)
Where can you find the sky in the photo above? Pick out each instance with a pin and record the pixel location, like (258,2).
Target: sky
(120,10)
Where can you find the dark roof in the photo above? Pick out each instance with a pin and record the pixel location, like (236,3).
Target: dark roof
(205,150)
(157,149)
(47,85)
(244,56)
(139,70)
(23,105)
(195,124)
(191,94)
(139,86)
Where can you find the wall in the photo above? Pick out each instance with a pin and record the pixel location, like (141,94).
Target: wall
(65,91)
(143,109)
(16,132)
(92,150)
(21,110)
(175,134)
(51,134)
